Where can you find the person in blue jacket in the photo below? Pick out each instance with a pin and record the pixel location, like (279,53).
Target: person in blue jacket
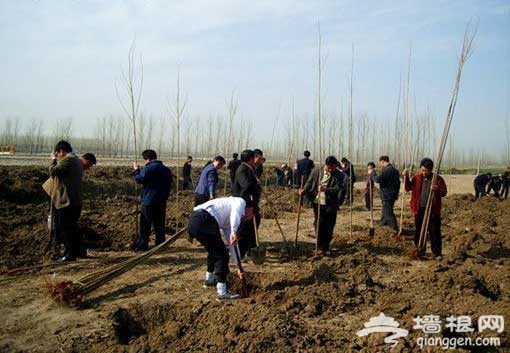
(156,180)
(208,180)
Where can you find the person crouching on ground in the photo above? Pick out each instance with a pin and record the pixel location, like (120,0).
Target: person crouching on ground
(156,180)
(420,186)
(480,184)
(325,185)
(205,222)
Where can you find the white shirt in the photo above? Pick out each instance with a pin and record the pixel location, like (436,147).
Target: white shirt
(227,211)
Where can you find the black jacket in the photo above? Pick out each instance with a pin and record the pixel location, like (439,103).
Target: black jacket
(389,183)
(333,187)
(232,167)
(245,184)
(304,168)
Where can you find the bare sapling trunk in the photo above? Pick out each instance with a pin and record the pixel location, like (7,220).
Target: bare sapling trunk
(229,144)
(351,143)
(177,110)
(132,82)
(406,141)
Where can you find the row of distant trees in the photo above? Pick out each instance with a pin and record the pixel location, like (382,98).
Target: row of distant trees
(207,136)
(406,137)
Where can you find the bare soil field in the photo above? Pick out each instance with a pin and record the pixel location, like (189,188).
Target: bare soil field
(295,304)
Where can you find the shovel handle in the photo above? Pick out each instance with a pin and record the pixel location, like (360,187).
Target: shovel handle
(255,227)
(244,287)
(297,222)
(298,213)
(275,216)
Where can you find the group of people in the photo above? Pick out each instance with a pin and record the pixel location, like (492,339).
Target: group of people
(234,215)
(326,186)
(498,184)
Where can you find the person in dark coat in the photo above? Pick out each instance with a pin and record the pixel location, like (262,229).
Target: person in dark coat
(304,168)
(420,186)
(156,180)
(247,186)
(280,176)
(287,174)
(324,185)
(186,173)
(480,184)
(389,184)
(259,163)
(232,167)
(494,185)
(505,180)
(208,180)
(370,181)
(349,180)
(66,170)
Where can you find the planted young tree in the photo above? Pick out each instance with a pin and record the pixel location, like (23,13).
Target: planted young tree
(396,139)
(132,84)
(319,127)
(177,109)
(351,142)
(406,140)
(229,143)
(507,134)
(319,95)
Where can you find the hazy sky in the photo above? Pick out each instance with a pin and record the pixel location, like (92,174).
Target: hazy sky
(62,58)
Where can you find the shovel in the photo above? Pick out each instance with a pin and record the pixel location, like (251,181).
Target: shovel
(258,253)
(244,286)
(297,251)
(297,221)
(275,216)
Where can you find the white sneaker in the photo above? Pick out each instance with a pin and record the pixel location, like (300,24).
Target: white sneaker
(227,296)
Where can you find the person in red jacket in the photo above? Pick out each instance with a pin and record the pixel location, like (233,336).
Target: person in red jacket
(420,186)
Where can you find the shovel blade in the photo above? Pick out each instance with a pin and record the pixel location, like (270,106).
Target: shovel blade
(258,255)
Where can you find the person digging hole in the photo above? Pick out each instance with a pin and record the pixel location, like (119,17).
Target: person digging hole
(205,222)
